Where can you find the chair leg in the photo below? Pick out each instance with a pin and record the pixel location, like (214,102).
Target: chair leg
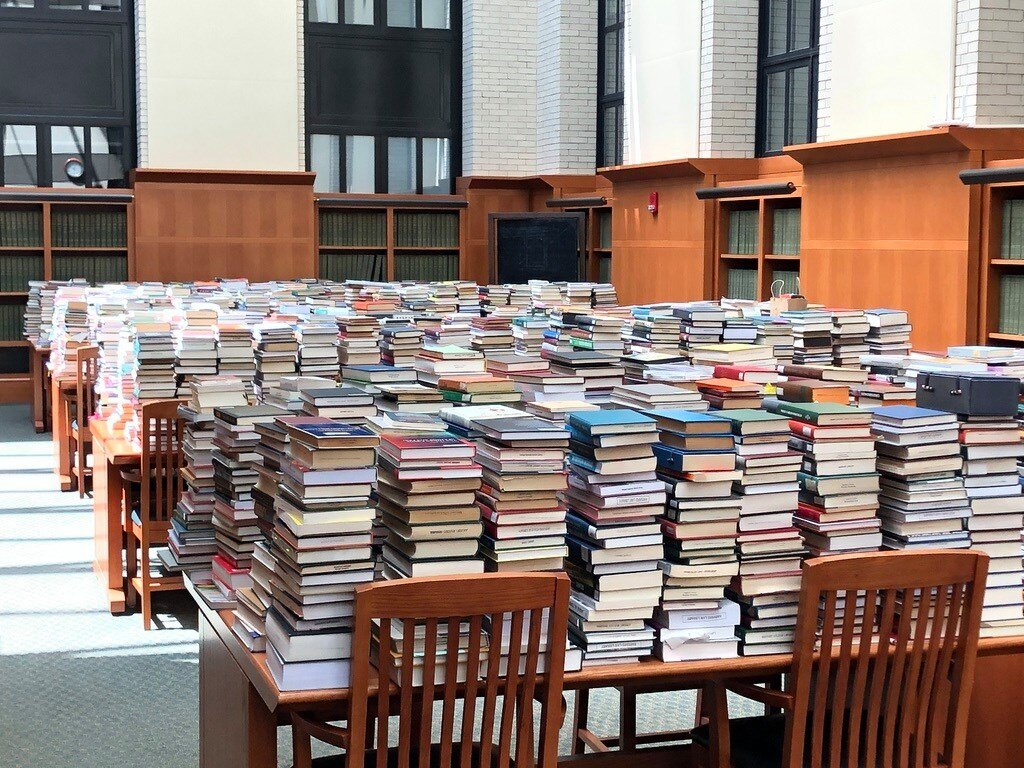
(302,747)
(131,571)
(147,595)
(72,452)
(627,719)
(579,720)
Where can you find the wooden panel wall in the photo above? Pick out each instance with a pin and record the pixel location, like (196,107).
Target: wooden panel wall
(198,225)
(893,232)
(662,257)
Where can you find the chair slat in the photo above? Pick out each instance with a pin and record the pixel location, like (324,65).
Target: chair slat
(427,706)
(451,672)
(842,673)
(908,705)
(879,674)
(860,677)
(472,688)
(384,666)
(491,688)
(405,694)
(937,715)
(822,683)
(508,703)
(929,664)
(524,733)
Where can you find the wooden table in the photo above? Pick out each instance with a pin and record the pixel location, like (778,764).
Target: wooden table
(110,455)
(62,394)
(38,357)
(240,706)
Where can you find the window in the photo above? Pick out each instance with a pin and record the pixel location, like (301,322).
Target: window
(383,106)
(63,156)
(787,90)
(64,5)
(610,82)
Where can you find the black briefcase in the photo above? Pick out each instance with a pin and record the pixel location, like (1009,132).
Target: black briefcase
(968,394)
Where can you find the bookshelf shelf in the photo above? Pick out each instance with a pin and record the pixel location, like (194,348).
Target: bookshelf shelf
(1014,337)
(424,249)
(1007,262)
(14,294)
(356,248)
(782,257)
(21,248)
(739,256)
(89,249)
(9,343)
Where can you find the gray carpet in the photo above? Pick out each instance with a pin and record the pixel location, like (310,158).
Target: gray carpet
(84,688)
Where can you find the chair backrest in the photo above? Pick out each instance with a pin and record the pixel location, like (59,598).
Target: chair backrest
(87,368)
(442,638)
(884,659)
(161,461)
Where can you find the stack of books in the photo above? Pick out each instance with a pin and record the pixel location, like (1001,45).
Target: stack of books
(343,403)
(991,448)
(426,497)
(697,464)
(195,345)
(770,546)
(728,394)
(523,460)
(838,483)
(653,332)
(154,360)
(235,355)
(545,385)
(477,389)
(358,340)
(322,552)
(922,501)
(433,362)
(399,344)
(614,538)
(889,332)
(507,363)
(276,354)
(733,353)
(410,398)
(234,515)
(849,336)
(777,333)
(700,324)
(645,397)
(190,541)
(601,373)
(528,334)
(318,347)
(287,392)
(369,377)
(601,333)
(812,336)
(491,334)
(603,295)
(556,411)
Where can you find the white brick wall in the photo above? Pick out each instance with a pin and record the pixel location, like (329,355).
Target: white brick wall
(826,30)
(141,86)
(300,36)
(499,88)
(728,78)
(566,85)
(989,67)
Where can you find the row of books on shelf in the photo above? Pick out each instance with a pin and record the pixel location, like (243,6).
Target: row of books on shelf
(96,228)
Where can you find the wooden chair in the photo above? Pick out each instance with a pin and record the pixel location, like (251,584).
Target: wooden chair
(499,604)
(887,683)
(86,372)
(159,488)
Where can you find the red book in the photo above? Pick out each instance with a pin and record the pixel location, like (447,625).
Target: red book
(427,447)
(755,374)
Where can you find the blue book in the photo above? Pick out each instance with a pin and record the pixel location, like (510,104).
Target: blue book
(687,422)
(901,414)
(611,422)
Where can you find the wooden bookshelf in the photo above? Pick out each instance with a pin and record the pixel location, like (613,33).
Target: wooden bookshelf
(389,237)
(596,259)
(1001,307)
(758,242)
(46,235)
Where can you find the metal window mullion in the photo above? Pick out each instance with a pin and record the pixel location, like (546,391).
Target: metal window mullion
(90,171)
(380,163)
(44,157)
(343,162)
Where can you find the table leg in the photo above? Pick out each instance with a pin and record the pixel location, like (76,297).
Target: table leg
(61,434)
(994,736)
(38,389)
(108,558)
(236,730)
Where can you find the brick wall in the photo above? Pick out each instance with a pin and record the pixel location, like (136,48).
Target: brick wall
(728,77)
(989,73)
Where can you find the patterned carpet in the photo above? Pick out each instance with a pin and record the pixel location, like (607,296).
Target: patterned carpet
(84,688)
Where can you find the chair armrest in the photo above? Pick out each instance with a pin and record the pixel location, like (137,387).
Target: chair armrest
(325,732)
(763,695)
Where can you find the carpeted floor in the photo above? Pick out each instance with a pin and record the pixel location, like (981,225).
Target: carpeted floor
(84,688)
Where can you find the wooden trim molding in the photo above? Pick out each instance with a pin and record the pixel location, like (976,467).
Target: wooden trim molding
(182,176)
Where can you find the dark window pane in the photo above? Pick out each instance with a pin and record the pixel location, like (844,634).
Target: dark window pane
(325,162)
(104,5)
(360,168)
(620,79)
(775,112)
(401,13)
(67,155)
(401,164)
(778,25)
(436,15)
(359,11)
(436,164)
(801,35)
(108,156)
(611,63)
(611,12)
(19,146)
(612,133)
(322,11)
(799,105)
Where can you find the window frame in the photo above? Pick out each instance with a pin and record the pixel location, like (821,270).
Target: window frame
(41,11)
(380,158)
(44,151)
(615,99)
(792,59)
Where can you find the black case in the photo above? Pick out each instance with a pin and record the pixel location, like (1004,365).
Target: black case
(968,394)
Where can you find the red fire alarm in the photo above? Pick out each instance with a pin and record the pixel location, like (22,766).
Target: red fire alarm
(652,204)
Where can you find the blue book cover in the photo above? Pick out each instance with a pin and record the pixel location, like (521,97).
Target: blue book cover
(906,412)
(669,458)
(689,417)
(329,428)
(582,461)
(588,421)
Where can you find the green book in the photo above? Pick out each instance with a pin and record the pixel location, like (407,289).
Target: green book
(821,414)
